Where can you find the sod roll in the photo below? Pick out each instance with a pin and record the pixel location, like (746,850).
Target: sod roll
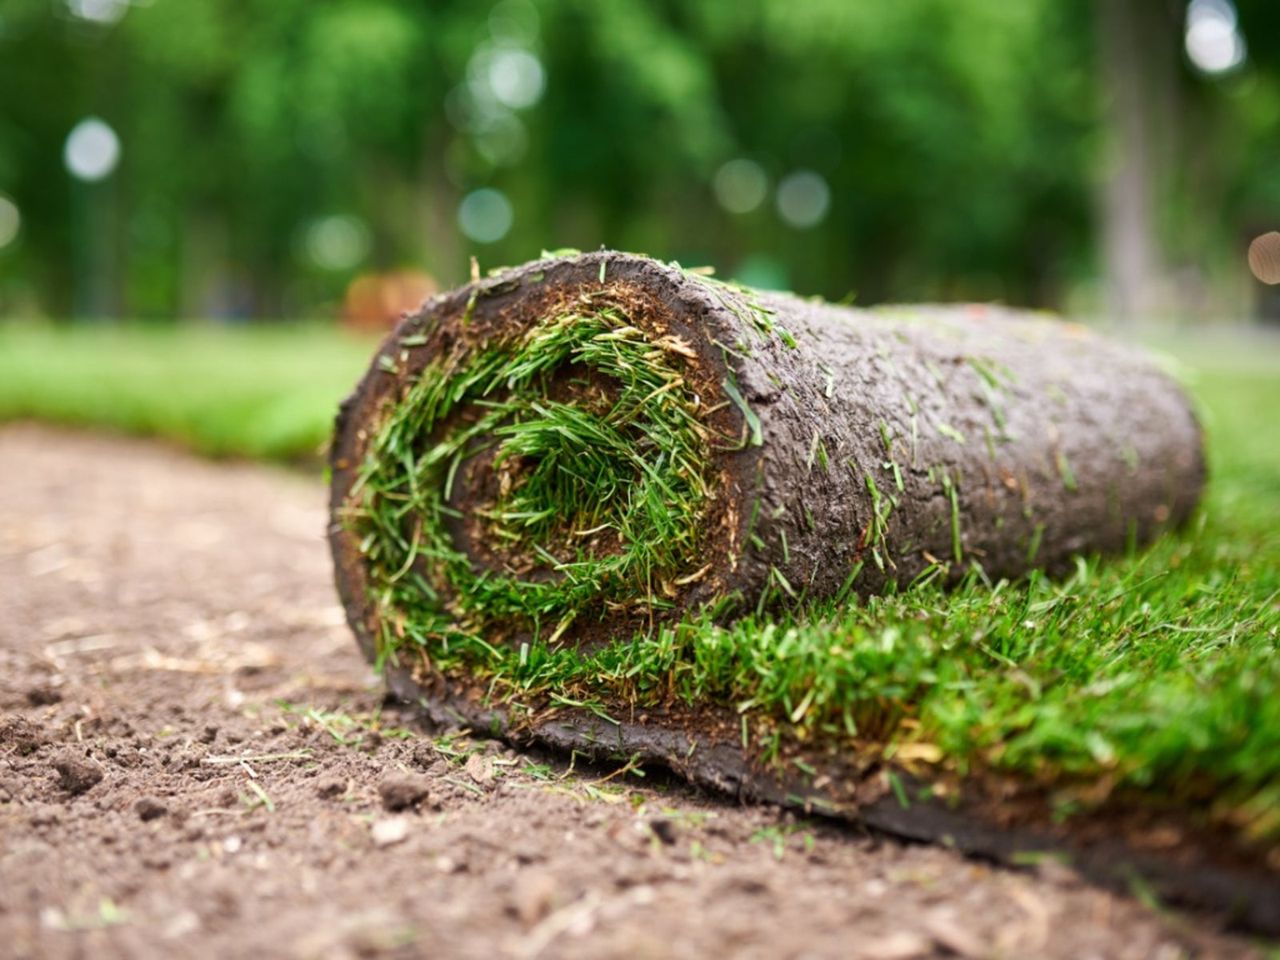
(578,448)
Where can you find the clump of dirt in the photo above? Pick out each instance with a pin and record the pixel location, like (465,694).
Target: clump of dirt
(253,793)
(76,775)
(404,791)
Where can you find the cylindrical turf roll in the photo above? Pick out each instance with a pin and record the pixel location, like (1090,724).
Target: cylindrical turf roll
(577,448)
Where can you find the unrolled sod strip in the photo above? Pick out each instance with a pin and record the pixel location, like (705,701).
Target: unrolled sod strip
(576,449)
(545,473)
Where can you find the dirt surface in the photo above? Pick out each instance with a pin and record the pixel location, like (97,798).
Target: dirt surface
(196,761)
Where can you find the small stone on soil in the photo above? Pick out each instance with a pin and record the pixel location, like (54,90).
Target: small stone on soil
(403,792)
(663,829)
(479,769)
(75,774)
(44,695)
(385,833)
(149,808)
(330,787)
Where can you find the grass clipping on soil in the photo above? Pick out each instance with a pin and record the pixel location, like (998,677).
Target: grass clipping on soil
(517,488)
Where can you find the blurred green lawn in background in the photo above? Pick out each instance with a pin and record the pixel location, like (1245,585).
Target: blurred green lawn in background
(253,158)
(265,392)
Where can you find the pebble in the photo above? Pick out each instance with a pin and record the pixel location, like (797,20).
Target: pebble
(76,774)
(479,769)
(149,808)
(403,791)
(663,829)
(44,695)
(330,787)
(389,832)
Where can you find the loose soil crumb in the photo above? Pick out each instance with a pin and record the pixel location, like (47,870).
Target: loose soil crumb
(195,762)
(404,791)
(77,775)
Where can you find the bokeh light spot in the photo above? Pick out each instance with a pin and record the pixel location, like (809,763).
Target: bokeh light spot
(1213,41)
(10,221)
(505,76)
(377,301)
(338,242)
(803,198)
(485,215)
(99,11)
(740,185)
(516,77)
(92,150)
(1264,257)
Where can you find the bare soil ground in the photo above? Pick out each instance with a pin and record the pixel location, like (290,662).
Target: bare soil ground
(195,761)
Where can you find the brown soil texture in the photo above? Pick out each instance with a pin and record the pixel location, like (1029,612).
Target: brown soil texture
(178,776)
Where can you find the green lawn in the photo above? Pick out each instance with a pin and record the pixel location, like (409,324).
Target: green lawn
(267,391)
(1158,671)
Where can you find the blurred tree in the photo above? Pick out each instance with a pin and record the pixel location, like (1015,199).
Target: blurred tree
(1138,55)
(272,150)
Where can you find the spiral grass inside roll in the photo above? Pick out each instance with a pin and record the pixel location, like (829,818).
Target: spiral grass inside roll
(516,486)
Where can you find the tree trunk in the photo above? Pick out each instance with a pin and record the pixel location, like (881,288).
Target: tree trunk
(1137,66)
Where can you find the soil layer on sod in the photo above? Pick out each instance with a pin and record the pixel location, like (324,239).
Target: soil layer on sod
(556,484)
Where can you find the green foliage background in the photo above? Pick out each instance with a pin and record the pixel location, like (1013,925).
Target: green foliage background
(962,141)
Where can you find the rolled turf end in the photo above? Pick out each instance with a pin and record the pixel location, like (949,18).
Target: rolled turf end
(576,451)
